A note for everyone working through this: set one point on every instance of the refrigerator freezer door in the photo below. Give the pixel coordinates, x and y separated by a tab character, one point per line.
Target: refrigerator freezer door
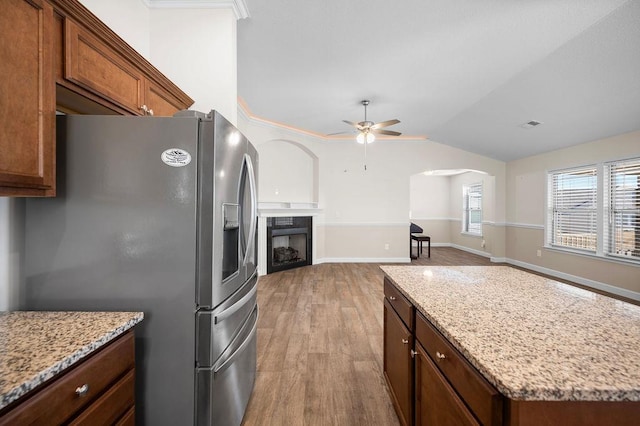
217	329
224	389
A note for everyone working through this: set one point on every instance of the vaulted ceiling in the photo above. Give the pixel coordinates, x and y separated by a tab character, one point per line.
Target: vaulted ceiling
466	73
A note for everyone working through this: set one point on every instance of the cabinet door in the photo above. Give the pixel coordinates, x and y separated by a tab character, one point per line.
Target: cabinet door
27	109
94	66
160	101
436	403
398	342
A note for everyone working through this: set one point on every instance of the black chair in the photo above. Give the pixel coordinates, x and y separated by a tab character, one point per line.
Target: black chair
420	238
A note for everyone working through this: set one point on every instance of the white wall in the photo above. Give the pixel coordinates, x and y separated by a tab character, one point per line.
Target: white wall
366	211
290	174
127	18
196	49
430	197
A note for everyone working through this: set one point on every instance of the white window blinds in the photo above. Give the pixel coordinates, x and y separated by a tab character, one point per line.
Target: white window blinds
622	209
472	209
572	207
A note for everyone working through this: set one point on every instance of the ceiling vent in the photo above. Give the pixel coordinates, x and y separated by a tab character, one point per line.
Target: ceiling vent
530	124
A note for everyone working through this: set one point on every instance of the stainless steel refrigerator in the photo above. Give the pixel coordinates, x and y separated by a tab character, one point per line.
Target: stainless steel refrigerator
157	215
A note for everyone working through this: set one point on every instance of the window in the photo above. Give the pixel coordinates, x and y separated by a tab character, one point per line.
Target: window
472	209
596	209
622	209
572	204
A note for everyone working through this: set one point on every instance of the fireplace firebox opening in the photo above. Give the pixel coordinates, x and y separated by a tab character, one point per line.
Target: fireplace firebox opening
288	242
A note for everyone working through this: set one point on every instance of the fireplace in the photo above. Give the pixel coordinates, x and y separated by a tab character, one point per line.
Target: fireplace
288	242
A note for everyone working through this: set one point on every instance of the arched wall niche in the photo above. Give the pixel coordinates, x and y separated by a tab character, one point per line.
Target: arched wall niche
288	172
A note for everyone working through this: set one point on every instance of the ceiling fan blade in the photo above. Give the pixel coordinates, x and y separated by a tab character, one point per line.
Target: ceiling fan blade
338	133
351	123
385	124
386	132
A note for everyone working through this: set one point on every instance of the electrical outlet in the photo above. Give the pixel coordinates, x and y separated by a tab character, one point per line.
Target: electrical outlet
539	253
386	246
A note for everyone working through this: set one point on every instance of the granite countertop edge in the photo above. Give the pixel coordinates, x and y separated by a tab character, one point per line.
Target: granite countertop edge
546	394
69	361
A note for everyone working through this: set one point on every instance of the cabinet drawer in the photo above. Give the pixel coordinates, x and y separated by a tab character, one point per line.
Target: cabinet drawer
400	304
480	396
58	401
110	406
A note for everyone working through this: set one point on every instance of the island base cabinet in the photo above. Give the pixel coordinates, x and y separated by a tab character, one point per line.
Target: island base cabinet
436	403
398	365
572	413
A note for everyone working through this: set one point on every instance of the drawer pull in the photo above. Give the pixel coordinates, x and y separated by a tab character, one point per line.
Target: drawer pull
405	341
392	298
82	390
440	356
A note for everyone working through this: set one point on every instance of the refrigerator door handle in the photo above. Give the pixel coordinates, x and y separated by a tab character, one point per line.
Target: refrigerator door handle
220	367
218	318
254	207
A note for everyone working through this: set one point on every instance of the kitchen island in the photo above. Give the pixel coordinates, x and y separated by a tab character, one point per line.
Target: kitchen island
548	351
44	354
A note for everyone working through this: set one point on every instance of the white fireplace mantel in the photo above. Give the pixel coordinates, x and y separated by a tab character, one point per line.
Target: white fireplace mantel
280	209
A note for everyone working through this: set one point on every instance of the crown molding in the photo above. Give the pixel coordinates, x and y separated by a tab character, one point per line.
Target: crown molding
239	7
246	113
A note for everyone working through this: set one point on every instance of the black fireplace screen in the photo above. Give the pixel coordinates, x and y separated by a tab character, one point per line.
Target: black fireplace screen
288	242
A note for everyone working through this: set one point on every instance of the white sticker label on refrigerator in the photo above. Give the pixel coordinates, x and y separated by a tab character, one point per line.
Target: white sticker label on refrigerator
176	157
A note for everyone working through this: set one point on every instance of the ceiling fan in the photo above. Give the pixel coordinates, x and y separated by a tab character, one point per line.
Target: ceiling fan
368	129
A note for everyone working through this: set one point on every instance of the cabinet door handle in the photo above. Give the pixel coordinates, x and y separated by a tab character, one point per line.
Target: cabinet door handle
392	298
82	390
440	356
414	353
405	341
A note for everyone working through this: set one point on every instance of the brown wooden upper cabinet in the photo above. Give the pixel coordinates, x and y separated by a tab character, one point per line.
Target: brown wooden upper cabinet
58	55
27	99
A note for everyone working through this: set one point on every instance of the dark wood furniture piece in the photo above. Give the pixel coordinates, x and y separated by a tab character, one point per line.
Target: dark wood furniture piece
57	55
98	390
420	239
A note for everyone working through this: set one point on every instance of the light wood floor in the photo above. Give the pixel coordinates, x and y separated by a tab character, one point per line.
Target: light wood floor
320	344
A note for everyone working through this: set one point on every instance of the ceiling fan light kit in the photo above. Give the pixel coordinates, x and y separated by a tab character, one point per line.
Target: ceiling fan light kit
365	137
368	129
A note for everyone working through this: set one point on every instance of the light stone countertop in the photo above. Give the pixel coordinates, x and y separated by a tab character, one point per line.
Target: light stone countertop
35	346
532	337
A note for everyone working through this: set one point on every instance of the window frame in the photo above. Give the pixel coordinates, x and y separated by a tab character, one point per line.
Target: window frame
553	212
603	209
466	209
610	208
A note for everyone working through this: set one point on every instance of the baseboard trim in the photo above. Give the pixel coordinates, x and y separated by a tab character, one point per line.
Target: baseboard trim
362	260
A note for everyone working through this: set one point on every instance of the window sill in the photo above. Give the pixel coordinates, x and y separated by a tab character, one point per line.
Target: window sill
469	234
